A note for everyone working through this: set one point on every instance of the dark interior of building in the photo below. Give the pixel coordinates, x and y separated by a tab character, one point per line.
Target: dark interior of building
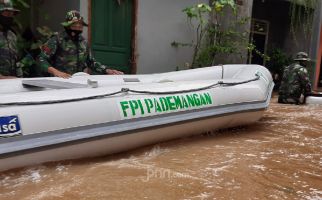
275	14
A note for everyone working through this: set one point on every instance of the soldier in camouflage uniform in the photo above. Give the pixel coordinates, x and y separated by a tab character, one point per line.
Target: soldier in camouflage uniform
8	42
295	84
67	52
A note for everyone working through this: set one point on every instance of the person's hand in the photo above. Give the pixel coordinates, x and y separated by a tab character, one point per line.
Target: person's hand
62	74
58	73
113	72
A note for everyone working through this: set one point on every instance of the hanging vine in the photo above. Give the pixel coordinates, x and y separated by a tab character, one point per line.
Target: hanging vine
302	16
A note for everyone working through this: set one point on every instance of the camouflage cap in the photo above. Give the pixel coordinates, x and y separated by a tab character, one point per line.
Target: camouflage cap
72	17
302	56
6	5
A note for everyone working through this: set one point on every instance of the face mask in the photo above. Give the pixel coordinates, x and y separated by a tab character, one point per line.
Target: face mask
303	63
6	22
74	34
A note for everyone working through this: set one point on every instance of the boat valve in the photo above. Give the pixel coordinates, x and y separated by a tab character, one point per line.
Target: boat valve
93	84
125	90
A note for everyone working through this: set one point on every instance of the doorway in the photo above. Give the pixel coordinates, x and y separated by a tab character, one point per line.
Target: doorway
259	37
111	33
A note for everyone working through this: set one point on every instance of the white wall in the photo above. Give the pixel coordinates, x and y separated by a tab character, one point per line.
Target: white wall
228	21
159	24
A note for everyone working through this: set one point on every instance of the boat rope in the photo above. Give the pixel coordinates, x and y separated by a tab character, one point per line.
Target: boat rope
219	83
127	90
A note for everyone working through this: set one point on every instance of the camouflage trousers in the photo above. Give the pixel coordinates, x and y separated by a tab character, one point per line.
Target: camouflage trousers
291	100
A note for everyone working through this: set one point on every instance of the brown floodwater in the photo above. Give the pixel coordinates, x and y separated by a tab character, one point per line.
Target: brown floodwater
280	157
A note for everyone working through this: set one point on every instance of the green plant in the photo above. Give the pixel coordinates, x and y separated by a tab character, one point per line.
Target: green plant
214	40
278	60
21	3
198	12
277	63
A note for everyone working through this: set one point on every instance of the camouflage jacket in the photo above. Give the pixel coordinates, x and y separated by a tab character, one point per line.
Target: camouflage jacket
295	82
68	56
9	54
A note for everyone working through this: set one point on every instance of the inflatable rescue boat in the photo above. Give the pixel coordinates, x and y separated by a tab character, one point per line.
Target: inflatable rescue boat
314	99
52	119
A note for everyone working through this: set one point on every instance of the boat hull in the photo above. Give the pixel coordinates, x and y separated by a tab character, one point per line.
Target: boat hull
124	141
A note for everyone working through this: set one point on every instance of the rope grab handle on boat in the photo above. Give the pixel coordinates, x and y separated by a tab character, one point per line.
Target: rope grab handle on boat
127	90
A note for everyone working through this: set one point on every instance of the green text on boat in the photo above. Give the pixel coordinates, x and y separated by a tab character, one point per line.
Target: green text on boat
148	106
